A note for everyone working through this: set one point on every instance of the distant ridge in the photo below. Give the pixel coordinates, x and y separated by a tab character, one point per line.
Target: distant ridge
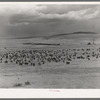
24	37
56	35
74	33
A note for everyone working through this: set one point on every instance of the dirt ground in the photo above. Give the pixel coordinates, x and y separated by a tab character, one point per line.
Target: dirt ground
80	74
51	76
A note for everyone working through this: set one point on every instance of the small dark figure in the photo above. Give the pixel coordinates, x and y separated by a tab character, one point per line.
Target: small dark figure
67	62
6	61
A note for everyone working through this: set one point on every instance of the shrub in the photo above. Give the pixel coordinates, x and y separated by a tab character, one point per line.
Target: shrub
18	85
27	83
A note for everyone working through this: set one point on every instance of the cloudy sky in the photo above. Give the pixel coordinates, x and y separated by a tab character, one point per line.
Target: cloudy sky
37	20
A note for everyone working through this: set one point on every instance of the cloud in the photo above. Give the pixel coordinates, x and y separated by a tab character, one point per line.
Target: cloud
31	19
71	12
39	14
84	14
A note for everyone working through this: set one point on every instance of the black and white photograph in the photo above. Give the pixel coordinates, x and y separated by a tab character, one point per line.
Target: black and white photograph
49	46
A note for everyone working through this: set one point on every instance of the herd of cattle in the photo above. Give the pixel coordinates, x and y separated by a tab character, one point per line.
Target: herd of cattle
40	57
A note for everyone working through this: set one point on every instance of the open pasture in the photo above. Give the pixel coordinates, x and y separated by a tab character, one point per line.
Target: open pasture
50	67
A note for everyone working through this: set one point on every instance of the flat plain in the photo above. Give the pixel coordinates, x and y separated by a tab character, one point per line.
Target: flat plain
63	66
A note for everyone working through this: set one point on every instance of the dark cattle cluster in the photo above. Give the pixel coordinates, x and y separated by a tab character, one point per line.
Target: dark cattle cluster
40	57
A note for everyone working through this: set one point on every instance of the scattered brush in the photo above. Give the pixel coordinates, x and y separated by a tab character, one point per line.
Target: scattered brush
27	83
18	85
